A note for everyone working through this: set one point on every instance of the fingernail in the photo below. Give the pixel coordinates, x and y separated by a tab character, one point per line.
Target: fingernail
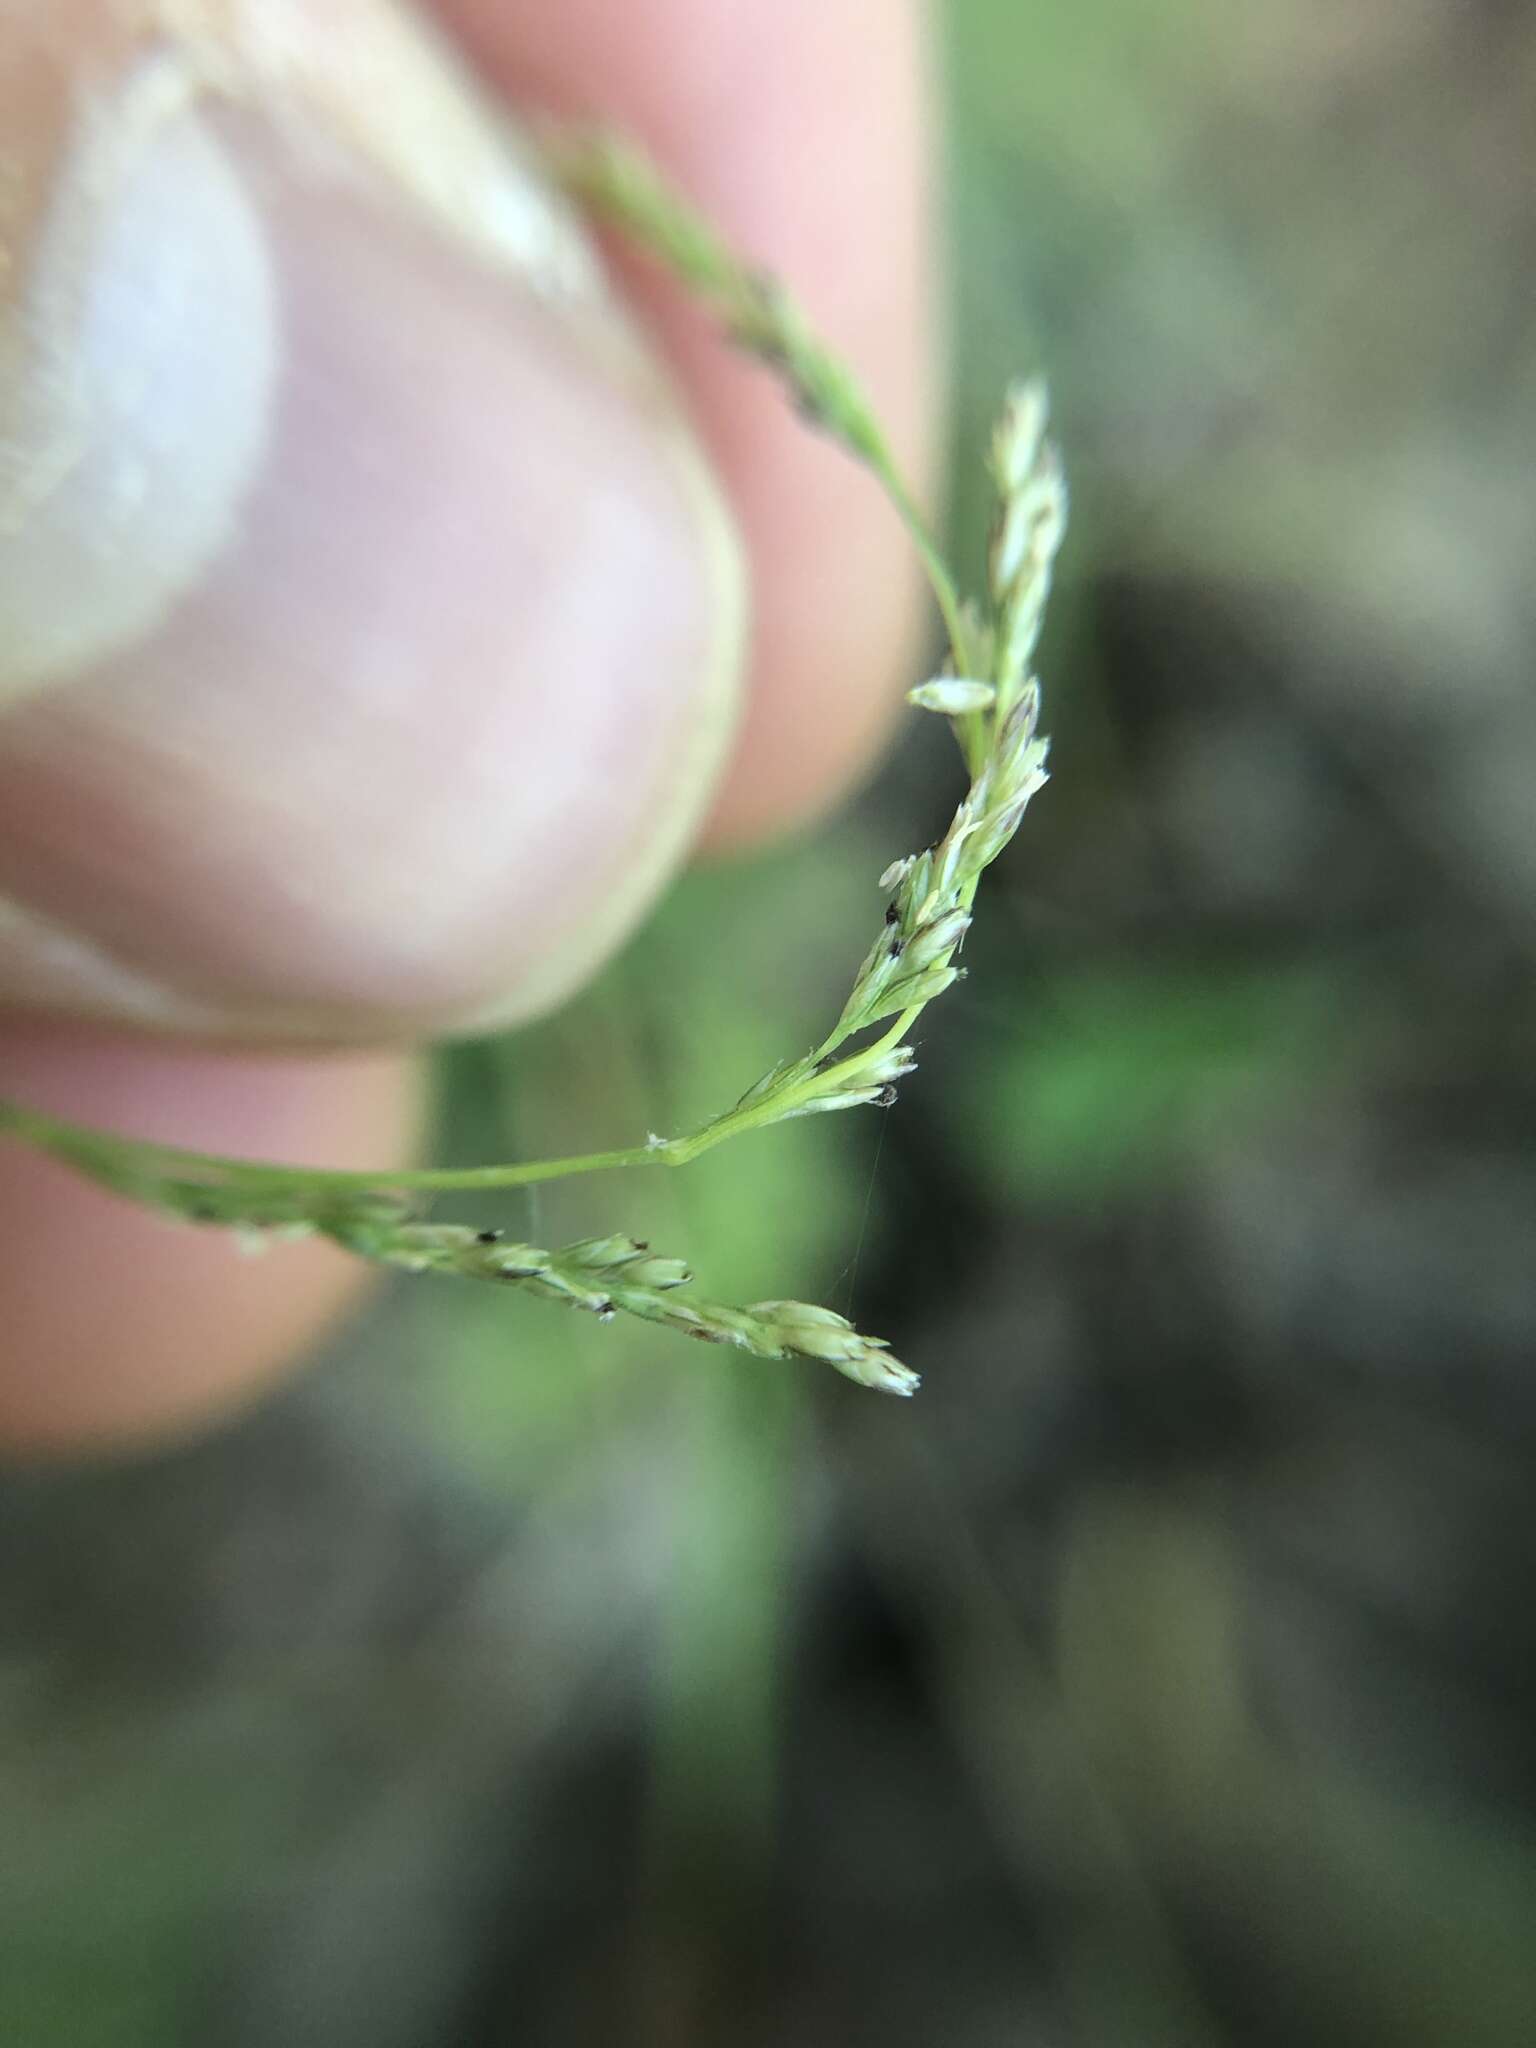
139	377
371	623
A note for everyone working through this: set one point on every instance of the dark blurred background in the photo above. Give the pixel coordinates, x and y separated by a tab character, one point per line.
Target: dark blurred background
1166	1674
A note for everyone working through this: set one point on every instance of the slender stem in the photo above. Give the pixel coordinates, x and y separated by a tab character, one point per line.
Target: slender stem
942	584
620	187
79	1144
86	1147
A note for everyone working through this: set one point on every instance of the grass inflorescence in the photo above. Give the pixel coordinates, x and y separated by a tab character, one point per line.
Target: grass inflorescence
991	697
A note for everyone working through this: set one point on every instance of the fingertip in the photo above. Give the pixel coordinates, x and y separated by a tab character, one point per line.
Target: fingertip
122	1329
370	621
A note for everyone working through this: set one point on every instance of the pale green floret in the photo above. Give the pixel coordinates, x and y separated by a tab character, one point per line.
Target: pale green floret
954	696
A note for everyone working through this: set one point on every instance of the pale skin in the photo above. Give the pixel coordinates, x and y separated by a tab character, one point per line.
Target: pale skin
800	127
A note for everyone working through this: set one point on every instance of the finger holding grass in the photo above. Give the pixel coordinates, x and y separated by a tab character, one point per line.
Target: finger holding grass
992	699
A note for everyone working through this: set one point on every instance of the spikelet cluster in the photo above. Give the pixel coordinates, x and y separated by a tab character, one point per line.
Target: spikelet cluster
610	1276
996	717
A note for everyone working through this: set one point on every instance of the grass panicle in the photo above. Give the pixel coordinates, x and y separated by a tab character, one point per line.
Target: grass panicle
991	697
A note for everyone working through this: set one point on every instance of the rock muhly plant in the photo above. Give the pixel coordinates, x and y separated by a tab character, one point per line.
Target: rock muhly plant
990	696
